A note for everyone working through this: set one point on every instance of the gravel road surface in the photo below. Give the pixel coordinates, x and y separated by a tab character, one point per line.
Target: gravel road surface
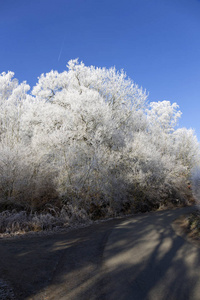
137	258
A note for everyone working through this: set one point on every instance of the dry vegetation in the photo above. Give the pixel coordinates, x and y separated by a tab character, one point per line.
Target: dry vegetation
188	226
193	224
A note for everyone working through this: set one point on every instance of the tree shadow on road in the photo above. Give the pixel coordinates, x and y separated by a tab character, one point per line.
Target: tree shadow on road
35	263
154	264
142	259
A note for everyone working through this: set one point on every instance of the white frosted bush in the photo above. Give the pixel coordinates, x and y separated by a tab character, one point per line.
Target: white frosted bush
88	138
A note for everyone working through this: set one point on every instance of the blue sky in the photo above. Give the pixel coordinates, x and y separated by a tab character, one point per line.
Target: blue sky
157	43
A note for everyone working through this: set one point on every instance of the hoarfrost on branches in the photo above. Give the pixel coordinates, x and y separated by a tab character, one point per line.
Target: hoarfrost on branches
87	137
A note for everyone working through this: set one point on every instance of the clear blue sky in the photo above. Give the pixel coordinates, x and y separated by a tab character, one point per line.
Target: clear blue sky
157	43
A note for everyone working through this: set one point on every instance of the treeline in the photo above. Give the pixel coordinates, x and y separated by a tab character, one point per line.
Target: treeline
88	139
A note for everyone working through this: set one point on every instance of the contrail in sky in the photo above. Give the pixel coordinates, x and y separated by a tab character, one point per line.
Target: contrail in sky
61	49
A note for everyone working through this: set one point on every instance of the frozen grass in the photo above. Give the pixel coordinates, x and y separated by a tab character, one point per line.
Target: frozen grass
194	223
13	221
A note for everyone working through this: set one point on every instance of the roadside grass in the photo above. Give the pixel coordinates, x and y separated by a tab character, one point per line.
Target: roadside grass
193	224
20	222
23	222
188	226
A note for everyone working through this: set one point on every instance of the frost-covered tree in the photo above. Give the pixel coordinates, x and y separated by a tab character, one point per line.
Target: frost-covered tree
21	175
186	148
163	115
88	137
96	112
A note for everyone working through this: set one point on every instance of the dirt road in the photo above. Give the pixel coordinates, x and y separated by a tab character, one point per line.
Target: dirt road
136	258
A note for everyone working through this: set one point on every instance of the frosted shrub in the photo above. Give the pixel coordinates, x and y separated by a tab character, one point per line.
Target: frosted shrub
73	214
44	222
14	221
87	141
21	221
